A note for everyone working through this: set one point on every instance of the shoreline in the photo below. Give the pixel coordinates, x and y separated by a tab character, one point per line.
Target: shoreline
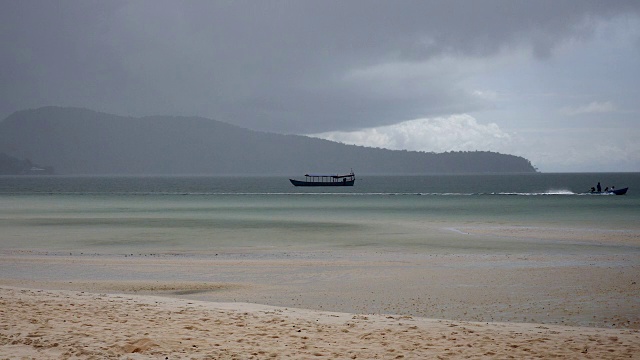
595	290
544	293
62	323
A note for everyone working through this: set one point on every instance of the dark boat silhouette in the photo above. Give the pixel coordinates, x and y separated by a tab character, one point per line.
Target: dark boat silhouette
325	180
615	192
619	191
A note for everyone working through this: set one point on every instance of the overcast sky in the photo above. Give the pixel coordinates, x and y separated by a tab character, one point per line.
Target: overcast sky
557	82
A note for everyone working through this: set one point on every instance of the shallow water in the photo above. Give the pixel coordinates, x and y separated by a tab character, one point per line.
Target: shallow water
482	248
113	215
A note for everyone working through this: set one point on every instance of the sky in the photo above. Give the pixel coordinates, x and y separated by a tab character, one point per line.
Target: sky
557	82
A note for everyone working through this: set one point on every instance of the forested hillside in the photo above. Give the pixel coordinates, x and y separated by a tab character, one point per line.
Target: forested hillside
80	141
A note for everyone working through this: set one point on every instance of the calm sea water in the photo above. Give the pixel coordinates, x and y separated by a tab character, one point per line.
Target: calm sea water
114	215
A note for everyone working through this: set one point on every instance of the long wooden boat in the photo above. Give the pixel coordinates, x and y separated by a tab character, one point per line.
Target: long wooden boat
325	180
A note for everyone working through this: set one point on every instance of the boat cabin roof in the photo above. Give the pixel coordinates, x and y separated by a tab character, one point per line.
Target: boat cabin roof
329	175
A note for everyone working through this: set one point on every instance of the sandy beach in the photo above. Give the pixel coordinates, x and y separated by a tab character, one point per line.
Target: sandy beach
381	305
46	324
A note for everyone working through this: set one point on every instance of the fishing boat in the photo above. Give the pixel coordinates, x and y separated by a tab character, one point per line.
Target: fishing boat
325	180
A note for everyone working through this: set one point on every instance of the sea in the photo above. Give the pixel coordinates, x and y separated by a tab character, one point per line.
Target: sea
210	215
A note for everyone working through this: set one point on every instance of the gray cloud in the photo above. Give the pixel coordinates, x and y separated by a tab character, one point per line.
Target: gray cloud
281	66
273	65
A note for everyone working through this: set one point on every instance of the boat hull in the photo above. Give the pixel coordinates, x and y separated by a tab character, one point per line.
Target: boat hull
609	192
619	191
322	183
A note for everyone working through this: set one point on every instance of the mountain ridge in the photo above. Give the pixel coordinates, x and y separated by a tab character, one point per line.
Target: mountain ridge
87	142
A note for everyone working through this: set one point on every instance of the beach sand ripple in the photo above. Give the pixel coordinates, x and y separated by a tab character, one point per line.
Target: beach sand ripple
55	324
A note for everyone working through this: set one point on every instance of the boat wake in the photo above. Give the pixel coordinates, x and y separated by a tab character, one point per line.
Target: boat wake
548	192
179	193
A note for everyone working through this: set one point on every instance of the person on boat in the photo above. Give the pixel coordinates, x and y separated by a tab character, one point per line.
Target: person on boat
606	189
593	189
599	187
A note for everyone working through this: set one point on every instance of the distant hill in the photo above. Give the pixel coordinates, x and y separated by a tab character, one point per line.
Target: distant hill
80	141
10	165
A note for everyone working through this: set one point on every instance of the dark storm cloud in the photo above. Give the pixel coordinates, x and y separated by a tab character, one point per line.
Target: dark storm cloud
283	66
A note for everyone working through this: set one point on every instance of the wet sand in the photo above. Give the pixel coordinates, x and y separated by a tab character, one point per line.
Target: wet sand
576	298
